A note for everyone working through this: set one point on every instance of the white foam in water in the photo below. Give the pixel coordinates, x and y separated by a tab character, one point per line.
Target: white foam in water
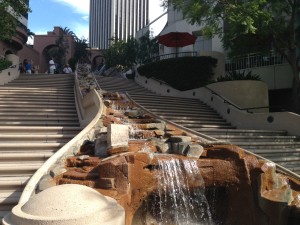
178	203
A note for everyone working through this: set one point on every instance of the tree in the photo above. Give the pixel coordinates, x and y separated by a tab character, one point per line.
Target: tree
275	21
125	54
10	11
147	47
81	53
122	54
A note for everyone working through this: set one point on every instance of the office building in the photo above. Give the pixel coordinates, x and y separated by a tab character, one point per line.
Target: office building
117	19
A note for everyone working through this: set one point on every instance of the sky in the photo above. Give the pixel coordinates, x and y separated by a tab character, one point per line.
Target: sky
74	14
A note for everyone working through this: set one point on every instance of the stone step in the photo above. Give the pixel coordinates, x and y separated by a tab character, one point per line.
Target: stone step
211	117
268	145
177	107
36	105
7	183
9	110
160	99
280	151
257	138
38	92
242	132
52	146
21	156
167	112
40	114
39	123
195	124
17	169
59	83
44	138
39	102
37	117
69	130
7	200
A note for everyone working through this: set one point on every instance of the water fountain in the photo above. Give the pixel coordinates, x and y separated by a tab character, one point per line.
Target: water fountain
180	197
157	184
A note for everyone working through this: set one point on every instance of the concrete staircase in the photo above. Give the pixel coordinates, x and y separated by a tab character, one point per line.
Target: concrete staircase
37	117
277	146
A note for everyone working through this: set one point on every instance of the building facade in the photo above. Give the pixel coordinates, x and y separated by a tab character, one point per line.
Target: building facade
17	41
117	19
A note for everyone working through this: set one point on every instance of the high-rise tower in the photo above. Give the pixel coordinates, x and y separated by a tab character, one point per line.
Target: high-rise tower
116	18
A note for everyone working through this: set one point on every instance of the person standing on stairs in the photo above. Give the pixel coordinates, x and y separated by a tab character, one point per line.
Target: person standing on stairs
67	69
27	66
52	66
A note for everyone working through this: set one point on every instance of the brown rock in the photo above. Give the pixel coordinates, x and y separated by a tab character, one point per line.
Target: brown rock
113	150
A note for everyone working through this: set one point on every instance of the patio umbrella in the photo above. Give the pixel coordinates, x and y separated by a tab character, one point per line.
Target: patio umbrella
177	39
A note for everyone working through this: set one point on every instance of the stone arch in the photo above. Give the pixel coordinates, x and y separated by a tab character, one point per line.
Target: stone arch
97	61
45	57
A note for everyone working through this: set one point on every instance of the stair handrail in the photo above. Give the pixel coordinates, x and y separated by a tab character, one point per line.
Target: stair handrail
234	105
170	56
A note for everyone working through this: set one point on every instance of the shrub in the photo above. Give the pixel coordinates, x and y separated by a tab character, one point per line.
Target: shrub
5	64
182	73
238	75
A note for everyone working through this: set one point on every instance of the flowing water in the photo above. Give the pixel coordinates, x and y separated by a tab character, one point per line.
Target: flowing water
181	199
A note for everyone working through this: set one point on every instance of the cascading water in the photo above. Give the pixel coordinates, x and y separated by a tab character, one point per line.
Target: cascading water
181	199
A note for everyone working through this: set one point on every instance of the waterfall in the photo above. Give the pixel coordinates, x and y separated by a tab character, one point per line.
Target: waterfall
181	199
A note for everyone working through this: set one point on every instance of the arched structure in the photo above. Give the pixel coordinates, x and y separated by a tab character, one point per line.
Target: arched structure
96	58
42	43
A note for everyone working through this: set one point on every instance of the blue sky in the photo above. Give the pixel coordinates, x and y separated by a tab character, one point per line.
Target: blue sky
74	14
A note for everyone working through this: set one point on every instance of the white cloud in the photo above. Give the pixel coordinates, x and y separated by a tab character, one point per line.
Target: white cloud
79	6
81	30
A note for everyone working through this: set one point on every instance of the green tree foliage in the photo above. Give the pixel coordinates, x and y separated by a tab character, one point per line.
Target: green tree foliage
81	50
238	75
267	21
125	54
4	64
8	21
147	47
121	54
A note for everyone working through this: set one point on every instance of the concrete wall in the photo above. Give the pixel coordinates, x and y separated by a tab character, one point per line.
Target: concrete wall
239	118
31	55
244	94
276	76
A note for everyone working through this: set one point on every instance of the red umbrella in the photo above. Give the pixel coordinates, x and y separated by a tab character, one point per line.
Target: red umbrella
177	39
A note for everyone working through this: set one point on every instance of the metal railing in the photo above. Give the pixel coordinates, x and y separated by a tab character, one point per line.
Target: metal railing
254	60
170	56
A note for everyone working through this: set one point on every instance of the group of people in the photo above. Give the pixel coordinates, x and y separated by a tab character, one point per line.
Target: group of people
27	67
53	67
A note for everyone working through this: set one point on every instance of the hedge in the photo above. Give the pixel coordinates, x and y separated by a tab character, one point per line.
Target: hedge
182	73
